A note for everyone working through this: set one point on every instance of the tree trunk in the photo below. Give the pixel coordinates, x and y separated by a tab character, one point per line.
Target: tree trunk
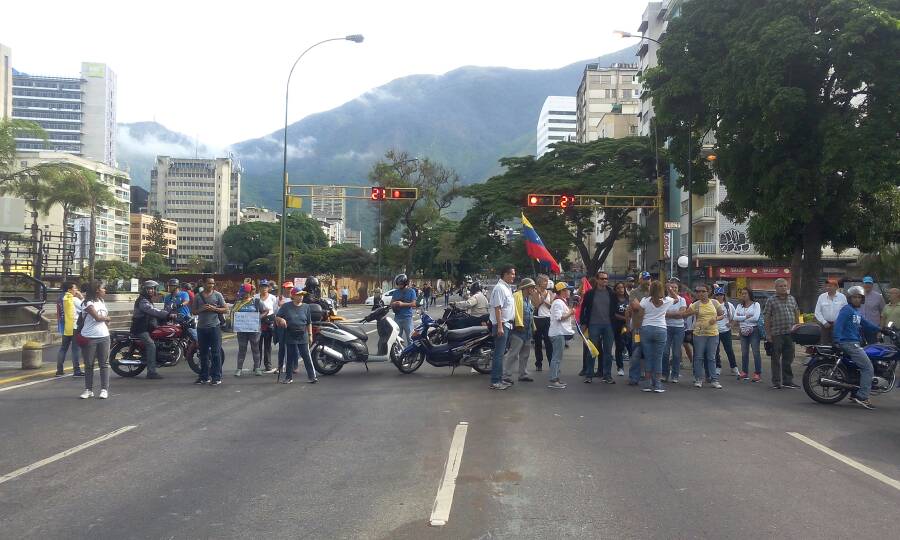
92	249
797	269
812	265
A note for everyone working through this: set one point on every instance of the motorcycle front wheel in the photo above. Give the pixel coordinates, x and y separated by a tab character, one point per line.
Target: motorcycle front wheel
408	363
324	364
824	394
124	351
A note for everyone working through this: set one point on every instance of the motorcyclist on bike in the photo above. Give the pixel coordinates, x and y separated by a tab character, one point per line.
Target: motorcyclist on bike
847	336
477	305
179	301
143	316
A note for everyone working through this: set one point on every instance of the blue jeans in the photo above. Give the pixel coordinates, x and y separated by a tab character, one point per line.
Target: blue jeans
653	343
725	342
209	341
705	356
559	345
747	343
294	352
67	343
406	329
499	352
866	371
634	360
602	337
674	342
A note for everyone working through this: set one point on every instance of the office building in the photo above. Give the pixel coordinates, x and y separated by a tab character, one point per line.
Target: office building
140	237
353	237
78	114
605	90
197	195
5	82
140	199
557	122
256	213
329	205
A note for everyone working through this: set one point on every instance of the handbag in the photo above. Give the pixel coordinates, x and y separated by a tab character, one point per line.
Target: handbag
748	331
80	340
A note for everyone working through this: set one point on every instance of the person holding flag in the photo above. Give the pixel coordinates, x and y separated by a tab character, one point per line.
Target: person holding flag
598	310
535	248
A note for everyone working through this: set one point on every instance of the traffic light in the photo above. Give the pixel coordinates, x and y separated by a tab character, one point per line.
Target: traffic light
566	201
403	193
378	193
539	200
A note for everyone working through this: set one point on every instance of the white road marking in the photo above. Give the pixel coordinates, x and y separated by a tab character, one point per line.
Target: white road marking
23	385
440	513
59	456
851	462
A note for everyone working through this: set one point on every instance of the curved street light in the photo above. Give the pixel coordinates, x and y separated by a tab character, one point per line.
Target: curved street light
356	38
624	34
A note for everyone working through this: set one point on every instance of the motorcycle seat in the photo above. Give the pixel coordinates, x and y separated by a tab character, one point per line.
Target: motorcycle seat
466	333
355	331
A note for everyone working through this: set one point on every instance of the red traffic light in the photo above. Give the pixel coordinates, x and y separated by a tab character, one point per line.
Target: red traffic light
403	193
566	201
535	199
378	193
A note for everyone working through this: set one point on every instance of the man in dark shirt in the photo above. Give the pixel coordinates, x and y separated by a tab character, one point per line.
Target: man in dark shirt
597	312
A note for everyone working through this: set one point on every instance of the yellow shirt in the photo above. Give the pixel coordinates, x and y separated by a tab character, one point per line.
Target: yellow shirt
707	313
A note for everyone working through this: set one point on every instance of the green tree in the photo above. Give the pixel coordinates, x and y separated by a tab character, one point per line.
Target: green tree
801	97
9	130
156	236
248	242
99	196
153	266
603	167
109	272
883	264
64	190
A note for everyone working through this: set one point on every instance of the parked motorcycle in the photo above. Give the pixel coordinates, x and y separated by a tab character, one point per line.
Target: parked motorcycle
830	374
173	343
336	344
434	343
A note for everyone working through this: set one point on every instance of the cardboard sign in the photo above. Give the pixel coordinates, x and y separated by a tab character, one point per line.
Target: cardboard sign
246	321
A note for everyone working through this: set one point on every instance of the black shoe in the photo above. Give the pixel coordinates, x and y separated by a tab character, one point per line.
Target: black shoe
863	403
609	380
538	367
61	373
581	373
587	380
154	375
792	386
776	387
313	381
287	381
76	374
201	381
215	382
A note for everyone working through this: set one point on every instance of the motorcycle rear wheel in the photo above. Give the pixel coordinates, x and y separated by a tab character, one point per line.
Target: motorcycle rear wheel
324	364
824	394
122	351
408	363
483	357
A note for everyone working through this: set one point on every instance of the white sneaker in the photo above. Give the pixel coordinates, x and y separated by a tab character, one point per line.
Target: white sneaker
717	385
621	373
735	371
87	394
104	394
237	373
698	384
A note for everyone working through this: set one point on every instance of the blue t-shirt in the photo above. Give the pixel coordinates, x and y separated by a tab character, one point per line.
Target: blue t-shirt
403	295
847	324
178	299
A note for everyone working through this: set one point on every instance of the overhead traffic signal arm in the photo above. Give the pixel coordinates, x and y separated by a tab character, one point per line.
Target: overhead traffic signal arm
402	193
566	200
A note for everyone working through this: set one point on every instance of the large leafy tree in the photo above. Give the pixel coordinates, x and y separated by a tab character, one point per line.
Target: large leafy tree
156	236
98	197
801	98
64	189
604	167
255	240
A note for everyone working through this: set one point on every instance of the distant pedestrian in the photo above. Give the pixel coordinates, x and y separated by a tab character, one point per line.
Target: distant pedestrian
345	296
636	320
725	343
688	344
541	300
502	311
189	289
747	316
828	306
68	308
654	310
671	359
891	312
706	335
561	329
426	295
598	309
520	335
296	321
871	310
95	329
620	328
267	330
780	315
447	296
208	305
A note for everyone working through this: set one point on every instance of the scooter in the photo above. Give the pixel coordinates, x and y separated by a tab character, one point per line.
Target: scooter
336	344
433	342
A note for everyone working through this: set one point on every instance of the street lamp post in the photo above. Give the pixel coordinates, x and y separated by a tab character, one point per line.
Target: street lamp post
356	38
624	34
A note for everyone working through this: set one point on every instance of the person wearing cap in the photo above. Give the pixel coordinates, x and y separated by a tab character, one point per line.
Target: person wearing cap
501	316
560	330
250	303
208	305
872	306
629	284
725	342
286	289
636	320
267	330
708	311
296	321
541	300
598	310
828	306
520	336
179	301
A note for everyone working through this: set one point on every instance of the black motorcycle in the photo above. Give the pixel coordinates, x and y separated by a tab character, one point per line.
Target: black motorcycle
434	343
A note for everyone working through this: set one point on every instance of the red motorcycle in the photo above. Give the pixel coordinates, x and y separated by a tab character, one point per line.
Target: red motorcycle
173	343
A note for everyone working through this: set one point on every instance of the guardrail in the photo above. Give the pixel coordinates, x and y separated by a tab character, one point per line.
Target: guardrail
19	290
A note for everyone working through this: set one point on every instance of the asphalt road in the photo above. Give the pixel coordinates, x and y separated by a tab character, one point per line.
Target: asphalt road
362	455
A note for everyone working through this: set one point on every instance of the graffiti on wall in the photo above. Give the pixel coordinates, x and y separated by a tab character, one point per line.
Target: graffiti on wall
734	241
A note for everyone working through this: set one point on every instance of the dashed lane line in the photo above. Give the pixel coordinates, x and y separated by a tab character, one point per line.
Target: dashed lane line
440	512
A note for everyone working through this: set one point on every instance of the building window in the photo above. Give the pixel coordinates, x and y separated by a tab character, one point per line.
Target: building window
605	79
626	93
609	93
684	207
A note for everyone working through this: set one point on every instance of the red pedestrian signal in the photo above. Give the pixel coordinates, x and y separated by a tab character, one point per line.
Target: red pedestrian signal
378	193
539	200
566	201
403	193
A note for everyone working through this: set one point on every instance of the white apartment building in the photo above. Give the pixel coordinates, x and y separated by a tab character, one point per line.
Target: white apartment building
197	194
605	90
556	122
329	205
78	114
257	213
5	82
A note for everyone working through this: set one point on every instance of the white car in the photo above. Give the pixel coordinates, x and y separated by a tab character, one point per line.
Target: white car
386	298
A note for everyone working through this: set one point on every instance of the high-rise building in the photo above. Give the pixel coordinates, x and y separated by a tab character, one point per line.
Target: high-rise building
196	194
605	90
557	122
255	213
140	237
5	82
78	114
328	204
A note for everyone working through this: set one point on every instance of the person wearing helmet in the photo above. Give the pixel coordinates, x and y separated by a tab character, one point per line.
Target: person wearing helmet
179	301
847	328
403	300
313	290
143	318
477	305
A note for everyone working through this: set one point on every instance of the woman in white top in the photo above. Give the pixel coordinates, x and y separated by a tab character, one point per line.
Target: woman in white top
674	335
560	330
95	330
542	299
265	338
747	316
655	310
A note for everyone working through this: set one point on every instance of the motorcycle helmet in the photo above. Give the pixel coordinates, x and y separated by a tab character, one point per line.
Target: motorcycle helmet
149	287
475	288
856	290
174	282
402	280
313	288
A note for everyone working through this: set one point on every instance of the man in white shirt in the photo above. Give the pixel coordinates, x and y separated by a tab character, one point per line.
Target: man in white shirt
828	305
501	316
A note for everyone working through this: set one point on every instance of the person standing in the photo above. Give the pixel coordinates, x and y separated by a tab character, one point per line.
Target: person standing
266	328
143	319
345	296
520	336
178	301
447	296
296	321
654	310
561	329
872	307
501	317
891	312
426	295
828	306
620	328
725	342
847	328
403	300
208	305
249	304
747	316
95	328
598	309
67	310
706	335
674	335
542	299
780	315
637	294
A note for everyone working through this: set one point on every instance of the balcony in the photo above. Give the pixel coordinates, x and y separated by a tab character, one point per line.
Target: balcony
704	248
705	214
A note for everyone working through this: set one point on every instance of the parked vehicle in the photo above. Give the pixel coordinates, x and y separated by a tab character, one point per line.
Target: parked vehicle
173	344
434	343
335	343
386	298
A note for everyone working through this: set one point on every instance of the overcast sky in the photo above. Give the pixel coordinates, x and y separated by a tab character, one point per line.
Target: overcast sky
216	69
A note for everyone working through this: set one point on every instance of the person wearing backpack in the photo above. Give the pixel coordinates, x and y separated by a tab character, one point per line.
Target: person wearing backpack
725	343
68	308
706	335
94	339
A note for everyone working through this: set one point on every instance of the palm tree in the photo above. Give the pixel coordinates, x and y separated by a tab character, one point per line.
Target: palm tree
64	185
98	195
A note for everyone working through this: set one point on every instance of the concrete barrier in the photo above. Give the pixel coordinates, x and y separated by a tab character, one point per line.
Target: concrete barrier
32	355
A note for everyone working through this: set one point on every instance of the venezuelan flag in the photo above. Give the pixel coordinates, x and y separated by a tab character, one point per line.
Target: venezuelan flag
535	248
